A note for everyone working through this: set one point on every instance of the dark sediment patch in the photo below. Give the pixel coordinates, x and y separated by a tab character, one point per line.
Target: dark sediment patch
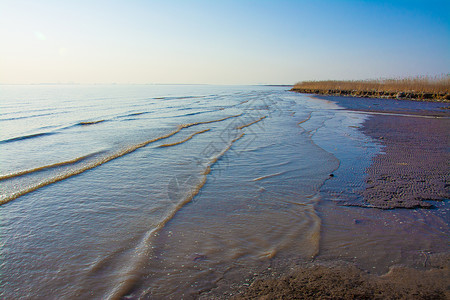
414	165
413	168
349	282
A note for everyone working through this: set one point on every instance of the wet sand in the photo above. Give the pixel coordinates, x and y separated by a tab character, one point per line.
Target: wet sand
386	257
341	281
413	170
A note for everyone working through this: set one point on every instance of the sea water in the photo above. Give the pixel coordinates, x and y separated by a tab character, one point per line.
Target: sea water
160	191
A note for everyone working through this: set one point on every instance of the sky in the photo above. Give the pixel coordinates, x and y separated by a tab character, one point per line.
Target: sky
220	42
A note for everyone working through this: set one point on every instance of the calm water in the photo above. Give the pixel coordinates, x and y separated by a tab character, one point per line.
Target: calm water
164	191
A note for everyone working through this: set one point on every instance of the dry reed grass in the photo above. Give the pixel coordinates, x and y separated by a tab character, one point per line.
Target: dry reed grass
435	88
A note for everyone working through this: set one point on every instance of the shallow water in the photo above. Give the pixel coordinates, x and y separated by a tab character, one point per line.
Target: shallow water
163	191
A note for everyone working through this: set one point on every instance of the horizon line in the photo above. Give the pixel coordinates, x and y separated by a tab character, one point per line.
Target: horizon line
114	83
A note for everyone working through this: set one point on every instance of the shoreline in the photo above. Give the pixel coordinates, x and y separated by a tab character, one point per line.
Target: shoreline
403	95
411	171
412	145
341	280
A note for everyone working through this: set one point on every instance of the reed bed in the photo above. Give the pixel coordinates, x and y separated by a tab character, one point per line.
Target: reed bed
420	88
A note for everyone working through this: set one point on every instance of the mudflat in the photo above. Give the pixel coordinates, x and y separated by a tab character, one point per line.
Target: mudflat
348	282
413	168
410	172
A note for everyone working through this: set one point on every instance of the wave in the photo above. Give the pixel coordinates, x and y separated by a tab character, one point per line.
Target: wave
133	114
84	124
128	280
212	121
26	137
268	176
251	123
26	117
87	123
51	166
195	113
187	108
138	114
48	127
307	119
84	168
28	111
141	253
178	98
42	134
102	161
185	140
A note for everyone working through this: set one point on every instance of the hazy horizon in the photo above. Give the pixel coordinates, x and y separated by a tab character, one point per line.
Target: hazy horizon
232	43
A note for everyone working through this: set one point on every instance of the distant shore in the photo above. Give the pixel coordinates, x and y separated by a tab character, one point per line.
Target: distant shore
438	97
435	89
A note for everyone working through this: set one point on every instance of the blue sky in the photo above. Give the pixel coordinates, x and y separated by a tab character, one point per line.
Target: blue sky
221	42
